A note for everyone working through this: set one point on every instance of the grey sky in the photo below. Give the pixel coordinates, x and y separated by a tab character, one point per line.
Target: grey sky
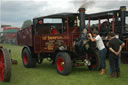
15	12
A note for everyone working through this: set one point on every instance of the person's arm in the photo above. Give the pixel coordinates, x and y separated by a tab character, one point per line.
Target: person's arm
107	44
113	51
119	50
91	38
123	44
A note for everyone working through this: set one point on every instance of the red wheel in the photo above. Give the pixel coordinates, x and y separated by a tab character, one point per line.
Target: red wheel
60	64
2	66
5	65
28	60
25	59
63	63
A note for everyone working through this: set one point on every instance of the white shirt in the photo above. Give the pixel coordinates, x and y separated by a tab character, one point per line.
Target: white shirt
99	42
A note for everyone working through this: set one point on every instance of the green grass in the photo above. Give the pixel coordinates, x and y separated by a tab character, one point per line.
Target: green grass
45	74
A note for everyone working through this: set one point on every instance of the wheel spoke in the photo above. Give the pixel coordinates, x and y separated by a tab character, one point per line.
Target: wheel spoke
1	65
25	59
60	64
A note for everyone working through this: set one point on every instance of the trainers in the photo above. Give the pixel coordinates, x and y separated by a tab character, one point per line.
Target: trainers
102	71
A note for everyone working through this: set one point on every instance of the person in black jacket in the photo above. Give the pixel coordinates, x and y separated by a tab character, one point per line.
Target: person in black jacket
115	49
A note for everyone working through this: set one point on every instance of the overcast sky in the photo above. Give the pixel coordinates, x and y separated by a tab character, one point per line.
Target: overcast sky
15	12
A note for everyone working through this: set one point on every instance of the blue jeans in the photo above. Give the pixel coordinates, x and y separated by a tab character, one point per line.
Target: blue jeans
110	69
103	57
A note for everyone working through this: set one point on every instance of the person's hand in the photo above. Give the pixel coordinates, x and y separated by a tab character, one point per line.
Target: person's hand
117	53
89	34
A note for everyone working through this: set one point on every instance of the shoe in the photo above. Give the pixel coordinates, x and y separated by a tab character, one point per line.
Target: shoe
118	74
103	71
113	74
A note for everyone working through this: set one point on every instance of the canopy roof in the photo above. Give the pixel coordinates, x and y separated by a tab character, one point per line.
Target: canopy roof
58	15
93	16
10	31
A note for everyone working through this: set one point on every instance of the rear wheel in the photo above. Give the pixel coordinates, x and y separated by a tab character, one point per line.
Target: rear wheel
5	65
95	60
28	59
63	63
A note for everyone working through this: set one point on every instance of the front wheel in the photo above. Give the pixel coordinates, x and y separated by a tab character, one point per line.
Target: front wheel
63	63
28	60
95	60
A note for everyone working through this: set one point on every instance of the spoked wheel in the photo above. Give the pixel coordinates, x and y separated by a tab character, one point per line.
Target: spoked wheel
5	65
63	63
94	58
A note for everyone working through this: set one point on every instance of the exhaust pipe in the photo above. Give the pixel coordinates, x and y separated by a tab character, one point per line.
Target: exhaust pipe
122	13
82	19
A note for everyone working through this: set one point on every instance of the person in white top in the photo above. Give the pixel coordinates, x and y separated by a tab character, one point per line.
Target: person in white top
100	45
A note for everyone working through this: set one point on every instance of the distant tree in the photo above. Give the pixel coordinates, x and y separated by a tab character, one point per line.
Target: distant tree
26	23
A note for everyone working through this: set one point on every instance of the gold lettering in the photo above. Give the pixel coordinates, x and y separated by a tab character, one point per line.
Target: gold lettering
44	38
54	37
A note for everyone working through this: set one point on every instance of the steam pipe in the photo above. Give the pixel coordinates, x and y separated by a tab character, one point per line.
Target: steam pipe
82	19
88	25
99	25
123	9
113	24
67	32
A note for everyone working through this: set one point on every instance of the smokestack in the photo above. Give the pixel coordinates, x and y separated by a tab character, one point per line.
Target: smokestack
82	19
122	13
123	8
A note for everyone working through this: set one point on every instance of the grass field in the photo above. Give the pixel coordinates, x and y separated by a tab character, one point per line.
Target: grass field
45	74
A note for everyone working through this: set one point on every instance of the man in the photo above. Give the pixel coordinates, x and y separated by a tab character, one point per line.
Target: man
100	45
122	44
115	47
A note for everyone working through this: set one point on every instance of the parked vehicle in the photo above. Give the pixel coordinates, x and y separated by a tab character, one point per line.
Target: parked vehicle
62	38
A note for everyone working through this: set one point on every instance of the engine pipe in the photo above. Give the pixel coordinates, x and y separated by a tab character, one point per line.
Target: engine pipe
82	19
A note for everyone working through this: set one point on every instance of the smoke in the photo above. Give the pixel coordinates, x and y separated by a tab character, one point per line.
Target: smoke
83	3
87	4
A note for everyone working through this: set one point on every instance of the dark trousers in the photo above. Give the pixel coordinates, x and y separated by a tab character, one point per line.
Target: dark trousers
114	64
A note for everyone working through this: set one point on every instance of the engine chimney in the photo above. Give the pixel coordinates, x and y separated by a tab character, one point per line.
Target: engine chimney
82	19
122	13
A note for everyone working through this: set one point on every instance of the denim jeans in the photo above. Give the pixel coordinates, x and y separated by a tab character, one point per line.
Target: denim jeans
103	57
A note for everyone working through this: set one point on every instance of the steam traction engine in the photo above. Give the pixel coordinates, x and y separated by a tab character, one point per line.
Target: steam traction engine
62	38
112	21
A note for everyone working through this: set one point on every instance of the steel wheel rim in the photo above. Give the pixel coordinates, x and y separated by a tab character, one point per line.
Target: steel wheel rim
25	59
60	64
2	66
